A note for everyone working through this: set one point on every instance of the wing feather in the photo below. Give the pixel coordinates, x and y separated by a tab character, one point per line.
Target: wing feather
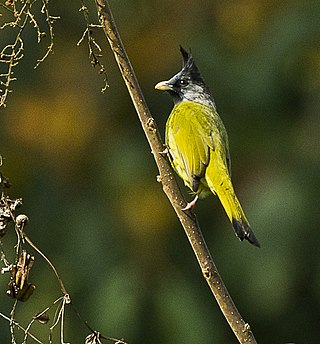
192	132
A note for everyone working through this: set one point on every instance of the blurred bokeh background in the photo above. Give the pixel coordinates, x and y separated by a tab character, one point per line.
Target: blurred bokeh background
81	163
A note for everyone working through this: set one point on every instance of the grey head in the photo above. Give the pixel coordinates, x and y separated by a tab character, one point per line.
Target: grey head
188	84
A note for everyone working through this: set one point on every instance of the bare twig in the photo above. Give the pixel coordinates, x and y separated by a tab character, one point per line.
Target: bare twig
20	289
50	21
21	221
20	328
23	15
93	46
59	318
188	220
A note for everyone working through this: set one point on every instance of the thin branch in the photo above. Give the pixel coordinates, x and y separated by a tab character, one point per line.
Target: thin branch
20	327
93	46
19	272
50	21
59	319
170	187
23	14
21	221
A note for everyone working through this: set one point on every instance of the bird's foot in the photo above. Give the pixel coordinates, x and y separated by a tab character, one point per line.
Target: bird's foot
191	205
165	152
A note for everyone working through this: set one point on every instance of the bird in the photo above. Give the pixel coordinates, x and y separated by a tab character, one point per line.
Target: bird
197	144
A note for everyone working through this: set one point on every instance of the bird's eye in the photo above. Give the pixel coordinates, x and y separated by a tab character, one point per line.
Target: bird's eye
182	82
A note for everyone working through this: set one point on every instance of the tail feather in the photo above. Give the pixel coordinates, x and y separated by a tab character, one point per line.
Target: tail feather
233	208
243	231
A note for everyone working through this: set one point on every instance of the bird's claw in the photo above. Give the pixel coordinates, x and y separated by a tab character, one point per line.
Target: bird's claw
165	152
191	205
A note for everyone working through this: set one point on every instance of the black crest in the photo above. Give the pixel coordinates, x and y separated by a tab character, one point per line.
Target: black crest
189	67
185	55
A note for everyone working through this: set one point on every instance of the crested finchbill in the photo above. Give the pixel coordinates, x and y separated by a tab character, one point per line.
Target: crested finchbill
198	143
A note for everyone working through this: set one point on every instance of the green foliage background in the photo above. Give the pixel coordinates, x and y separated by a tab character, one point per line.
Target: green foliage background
81	163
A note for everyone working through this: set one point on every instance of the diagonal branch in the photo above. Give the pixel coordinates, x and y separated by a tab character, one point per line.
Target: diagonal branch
170	187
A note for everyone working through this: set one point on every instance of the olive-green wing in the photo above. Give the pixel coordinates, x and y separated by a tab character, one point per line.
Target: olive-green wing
192	132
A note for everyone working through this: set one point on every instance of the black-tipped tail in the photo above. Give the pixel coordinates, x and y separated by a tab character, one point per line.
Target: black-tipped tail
243	231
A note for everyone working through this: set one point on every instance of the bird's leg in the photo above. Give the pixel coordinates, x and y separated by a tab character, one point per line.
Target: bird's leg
191	204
